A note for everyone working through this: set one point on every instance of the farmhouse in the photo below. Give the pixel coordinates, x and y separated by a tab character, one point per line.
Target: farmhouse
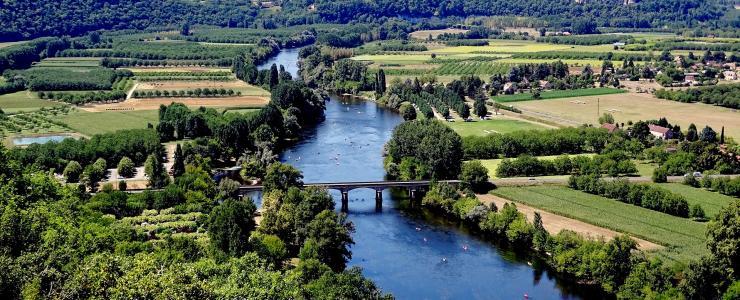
660	131
690	78
610	127
730	75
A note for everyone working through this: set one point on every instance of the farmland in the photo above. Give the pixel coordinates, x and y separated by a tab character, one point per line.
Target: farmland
558	94
636	106
483	127
90	123
683	238
492	164
710	201
42	121
23	101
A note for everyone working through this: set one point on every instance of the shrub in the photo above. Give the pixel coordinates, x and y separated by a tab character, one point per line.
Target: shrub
126	168
660	175
475	175
697	212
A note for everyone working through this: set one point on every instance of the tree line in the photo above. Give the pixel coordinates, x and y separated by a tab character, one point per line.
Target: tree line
198	92
536	143
613	163
727	95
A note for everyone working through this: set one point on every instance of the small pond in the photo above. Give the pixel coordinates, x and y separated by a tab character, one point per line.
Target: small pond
27	140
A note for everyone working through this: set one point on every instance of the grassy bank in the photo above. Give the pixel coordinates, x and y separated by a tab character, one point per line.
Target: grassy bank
558	94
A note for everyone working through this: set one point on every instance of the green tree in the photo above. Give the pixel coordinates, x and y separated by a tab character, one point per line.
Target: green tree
72	171
274	76
281	176
408	112
475	175
434	144
708	135
692	135
230	224
332	234
269	247
126	168
480	109
723	235
156	172
606	118
178	165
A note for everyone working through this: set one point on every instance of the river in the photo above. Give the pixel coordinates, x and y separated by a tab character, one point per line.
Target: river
402	250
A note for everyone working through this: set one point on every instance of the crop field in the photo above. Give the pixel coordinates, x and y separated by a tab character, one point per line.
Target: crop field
68	62
637	106
492	164
91	123
558	94
182	69
23	101
154	103
711	202
424	34
8	44
682	238
166	223
502	46
484	127
236	85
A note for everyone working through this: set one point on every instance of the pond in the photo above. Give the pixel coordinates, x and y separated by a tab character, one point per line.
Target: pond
28	140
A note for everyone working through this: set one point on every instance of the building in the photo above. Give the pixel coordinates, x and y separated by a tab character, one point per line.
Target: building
730	75
660	131
690	78
610	127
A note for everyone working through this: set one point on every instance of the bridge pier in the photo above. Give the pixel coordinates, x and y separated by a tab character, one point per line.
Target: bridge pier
412	196
345	201
378	200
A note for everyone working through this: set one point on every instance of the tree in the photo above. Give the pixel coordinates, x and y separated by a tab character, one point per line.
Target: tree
691	134
178	165
708	135
270	247
126	167
332	236
606	118
185	30
72	171
660	175
722	136
475	175
282	176
230	224
156	172
274	76
408	112
723	235
432	143
584	27
94	173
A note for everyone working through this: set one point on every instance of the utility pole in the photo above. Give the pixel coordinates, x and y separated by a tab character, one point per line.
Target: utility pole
598	107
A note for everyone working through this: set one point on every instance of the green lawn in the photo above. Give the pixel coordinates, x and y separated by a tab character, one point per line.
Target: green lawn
645	169
710	201
558	94
492	164
91	123
23	101
484	127
682	238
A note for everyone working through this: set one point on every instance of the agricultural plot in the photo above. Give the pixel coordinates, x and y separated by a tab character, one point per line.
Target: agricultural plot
711	202
171	85
502	46
492	164
68	62
23	101
682	238
164	223
424	34
484	127
636	106
42	121
91	123
558	94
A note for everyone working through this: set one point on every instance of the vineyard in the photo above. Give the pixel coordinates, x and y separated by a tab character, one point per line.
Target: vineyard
158	225
472	68
184	76
161	51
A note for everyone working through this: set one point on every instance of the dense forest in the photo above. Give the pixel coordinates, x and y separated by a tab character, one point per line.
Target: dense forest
30	19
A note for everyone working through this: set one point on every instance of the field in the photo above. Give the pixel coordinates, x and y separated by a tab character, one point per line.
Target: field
154	103
424	34
710	201
492	164
682	238
23	101
68	62
484	127
558	94
236	85
90	123
8	44
39	122
634	107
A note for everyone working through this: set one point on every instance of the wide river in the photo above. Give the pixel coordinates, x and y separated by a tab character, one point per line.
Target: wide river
402	250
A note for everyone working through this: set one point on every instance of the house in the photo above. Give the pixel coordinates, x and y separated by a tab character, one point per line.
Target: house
509	88
610	127
619	44
660	131
545	84
730	75
690	78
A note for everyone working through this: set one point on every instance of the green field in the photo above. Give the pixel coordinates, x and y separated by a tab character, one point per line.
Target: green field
23	101
710	201
484	127
69	62
241	110
492	164
91	123
682	238
558	94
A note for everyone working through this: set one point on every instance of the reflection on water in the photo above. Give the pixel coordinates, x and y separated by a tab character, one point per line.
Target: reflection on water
23	141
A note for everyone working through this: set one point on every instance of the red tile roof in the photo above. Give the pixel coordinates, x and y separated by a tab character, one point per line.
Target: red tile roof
609	126
658	129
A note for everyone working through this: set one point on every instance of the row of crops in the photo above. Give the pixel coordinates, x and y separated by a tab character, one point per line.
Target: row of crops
45	120
159	224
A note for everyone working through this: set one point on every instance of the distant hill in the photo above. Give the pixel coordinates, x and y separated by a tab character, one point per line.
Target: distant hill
30	19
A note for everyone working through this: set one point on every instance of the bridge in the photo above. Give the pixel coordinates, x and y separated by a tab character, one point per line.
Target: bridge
413	186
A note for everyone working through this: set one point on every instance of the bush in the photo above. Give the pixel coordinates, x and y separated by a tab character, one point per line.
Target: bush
660	175
647	196
697	212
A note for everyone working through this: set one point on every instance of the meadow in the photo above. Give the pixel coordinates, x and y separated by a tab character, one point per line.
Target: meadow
492	164
484	127
23	101
558	94
91	123
682	238
711	202
68	62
